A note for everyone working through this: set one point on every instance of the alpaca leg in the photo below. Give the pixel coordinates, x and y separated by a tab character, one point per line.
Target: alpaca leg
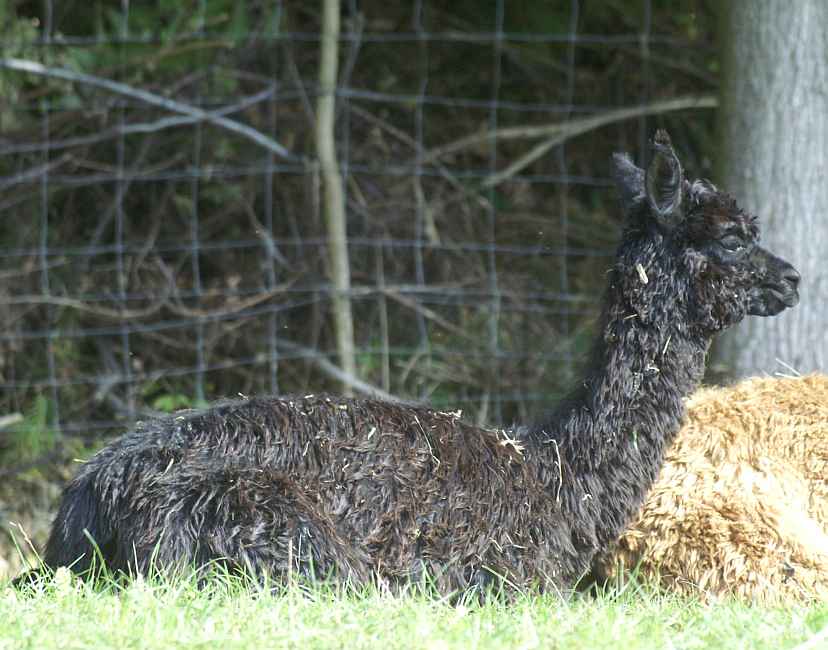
251	519
81	526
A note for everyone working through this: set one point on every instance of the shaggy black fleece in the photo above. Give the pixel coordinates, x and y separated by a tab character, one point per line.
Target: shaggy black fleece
362	490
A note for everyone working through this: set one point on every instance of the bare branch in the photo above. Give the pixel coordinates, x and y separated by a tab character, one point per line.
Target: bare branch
264	141
143	127
561	131
570	129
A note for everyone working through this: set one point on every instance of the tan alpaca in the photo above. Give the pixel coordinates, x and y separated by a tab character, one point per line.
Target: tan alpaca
741	505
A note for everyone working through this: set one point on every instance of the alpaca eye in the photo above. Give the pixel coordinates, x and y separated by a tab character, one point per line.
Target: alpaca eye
732	243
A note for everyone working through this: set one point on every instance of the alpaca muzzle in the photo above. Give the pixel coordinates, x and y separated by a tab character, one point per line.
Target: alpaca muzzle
779	287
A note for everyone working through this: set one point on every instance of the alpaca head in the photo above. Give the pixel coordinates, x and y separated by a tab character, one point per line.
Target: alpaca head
713	242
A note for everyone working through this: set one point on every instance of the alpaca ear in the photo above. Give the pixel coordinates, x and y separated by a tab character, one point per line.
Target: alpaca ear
629	180
663	182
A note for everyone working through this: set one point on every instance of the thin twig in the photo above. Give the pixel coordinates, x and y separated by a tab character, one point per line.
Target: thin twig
79	305
403	137
230	308
337	373
28	269
355	43
428	313
121	191
293	69
155	229
33	173
271	247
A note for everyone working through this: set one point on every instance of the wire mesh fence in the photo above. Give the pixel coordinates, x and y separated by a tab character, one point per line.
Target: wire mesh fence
162	236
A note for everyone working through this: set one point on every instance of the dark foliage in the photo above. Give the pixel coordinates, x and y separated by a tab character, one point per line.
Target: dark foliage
356	489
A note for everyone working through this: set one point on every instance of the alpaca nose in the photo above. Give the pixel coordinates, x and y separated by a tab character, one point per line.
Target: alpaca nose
791	276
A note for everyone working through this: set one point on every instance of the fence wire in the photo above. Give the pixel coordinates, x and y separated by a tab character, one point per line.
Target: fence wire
161	236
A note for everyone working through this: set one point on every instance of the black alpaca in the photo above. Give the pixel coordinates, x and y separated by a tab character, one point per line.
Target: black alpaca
361	489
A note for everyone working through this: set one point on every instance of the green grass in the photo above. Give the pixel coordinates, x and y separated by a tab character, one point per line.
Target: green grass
62	613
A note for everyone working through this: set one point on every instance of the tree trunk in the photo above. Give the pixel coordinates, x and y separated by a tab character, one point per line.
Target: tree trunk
774	160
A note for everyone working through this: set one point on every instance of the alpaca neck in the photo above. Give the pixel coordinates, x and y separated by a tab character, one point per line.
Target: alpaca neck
603	447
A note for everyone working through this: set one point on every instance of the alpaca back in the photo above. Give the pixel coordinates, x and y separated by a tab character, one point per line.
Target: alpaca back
321	484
